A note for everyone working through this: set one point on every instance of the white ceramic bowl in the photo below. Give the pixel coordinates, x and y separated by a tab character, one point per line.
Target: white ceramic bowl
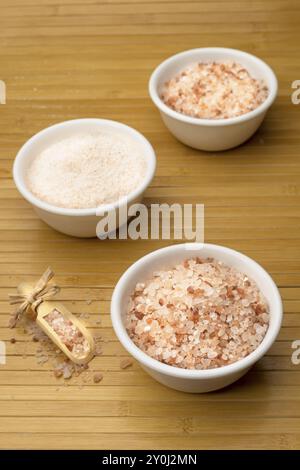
194	380
77	222
209	134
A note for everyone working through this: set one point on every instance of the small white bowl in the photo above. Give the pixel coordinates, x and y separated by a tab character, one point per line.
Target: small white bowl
212	134
194	381
77	222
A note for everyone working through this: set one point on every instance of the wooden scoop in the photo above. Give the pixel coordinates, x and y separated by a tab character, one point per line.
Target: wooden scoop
48	306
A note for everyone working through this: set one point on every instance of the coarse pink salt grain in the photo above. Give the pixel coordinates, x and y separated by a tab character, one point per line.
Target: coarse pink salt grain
212	90
68	333
200	314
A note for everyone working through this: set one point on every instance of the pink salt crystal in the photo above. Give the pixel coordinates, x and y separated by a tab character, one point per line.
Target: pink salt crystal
125	363
58	373
214	91
68	372
97	377
68	333
201	314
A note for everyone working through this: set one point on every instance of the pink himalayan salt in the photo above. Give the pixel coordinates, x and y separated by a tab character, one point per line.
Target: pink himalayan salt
214	91
200	314
69	333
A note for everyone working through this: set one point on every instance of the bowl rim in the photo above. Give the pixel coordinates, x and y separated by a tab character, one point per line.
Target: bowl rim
263	107
177	372
18	174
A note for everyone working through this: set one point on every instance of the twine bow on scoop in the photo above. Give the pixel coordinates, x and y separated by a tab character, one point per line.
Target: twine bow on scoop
40	292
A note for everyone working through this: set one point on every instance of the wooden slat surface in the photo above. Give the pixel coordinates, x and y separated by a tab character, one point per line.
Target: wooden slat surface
64	59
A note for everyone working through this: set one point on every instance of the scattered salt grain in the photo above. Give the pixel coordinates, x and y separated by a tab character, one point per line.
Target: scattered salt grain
58	373
97	378
98	350
125	363
68	333
68	371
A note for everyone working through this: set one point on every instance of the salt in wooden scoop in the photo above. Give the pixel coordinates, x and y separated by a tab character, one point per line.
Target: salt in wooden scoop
56	321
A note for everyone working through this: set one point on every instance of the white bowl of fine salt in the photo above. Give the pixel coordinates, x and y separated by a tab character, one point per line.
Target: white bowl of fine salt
196	316
75	172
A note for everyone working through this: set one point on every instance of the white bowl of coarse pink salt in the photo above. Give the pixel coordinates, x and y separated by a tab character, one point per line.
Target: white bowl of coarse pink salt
77	171
196	316
213	98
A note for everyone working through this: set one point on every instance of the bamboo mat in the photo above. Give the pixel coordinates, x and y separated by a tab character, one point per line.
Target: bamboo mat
65	59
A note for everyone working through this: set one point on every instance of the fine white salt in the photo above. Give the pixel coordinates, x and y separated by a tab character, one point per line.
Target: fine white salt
87	170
